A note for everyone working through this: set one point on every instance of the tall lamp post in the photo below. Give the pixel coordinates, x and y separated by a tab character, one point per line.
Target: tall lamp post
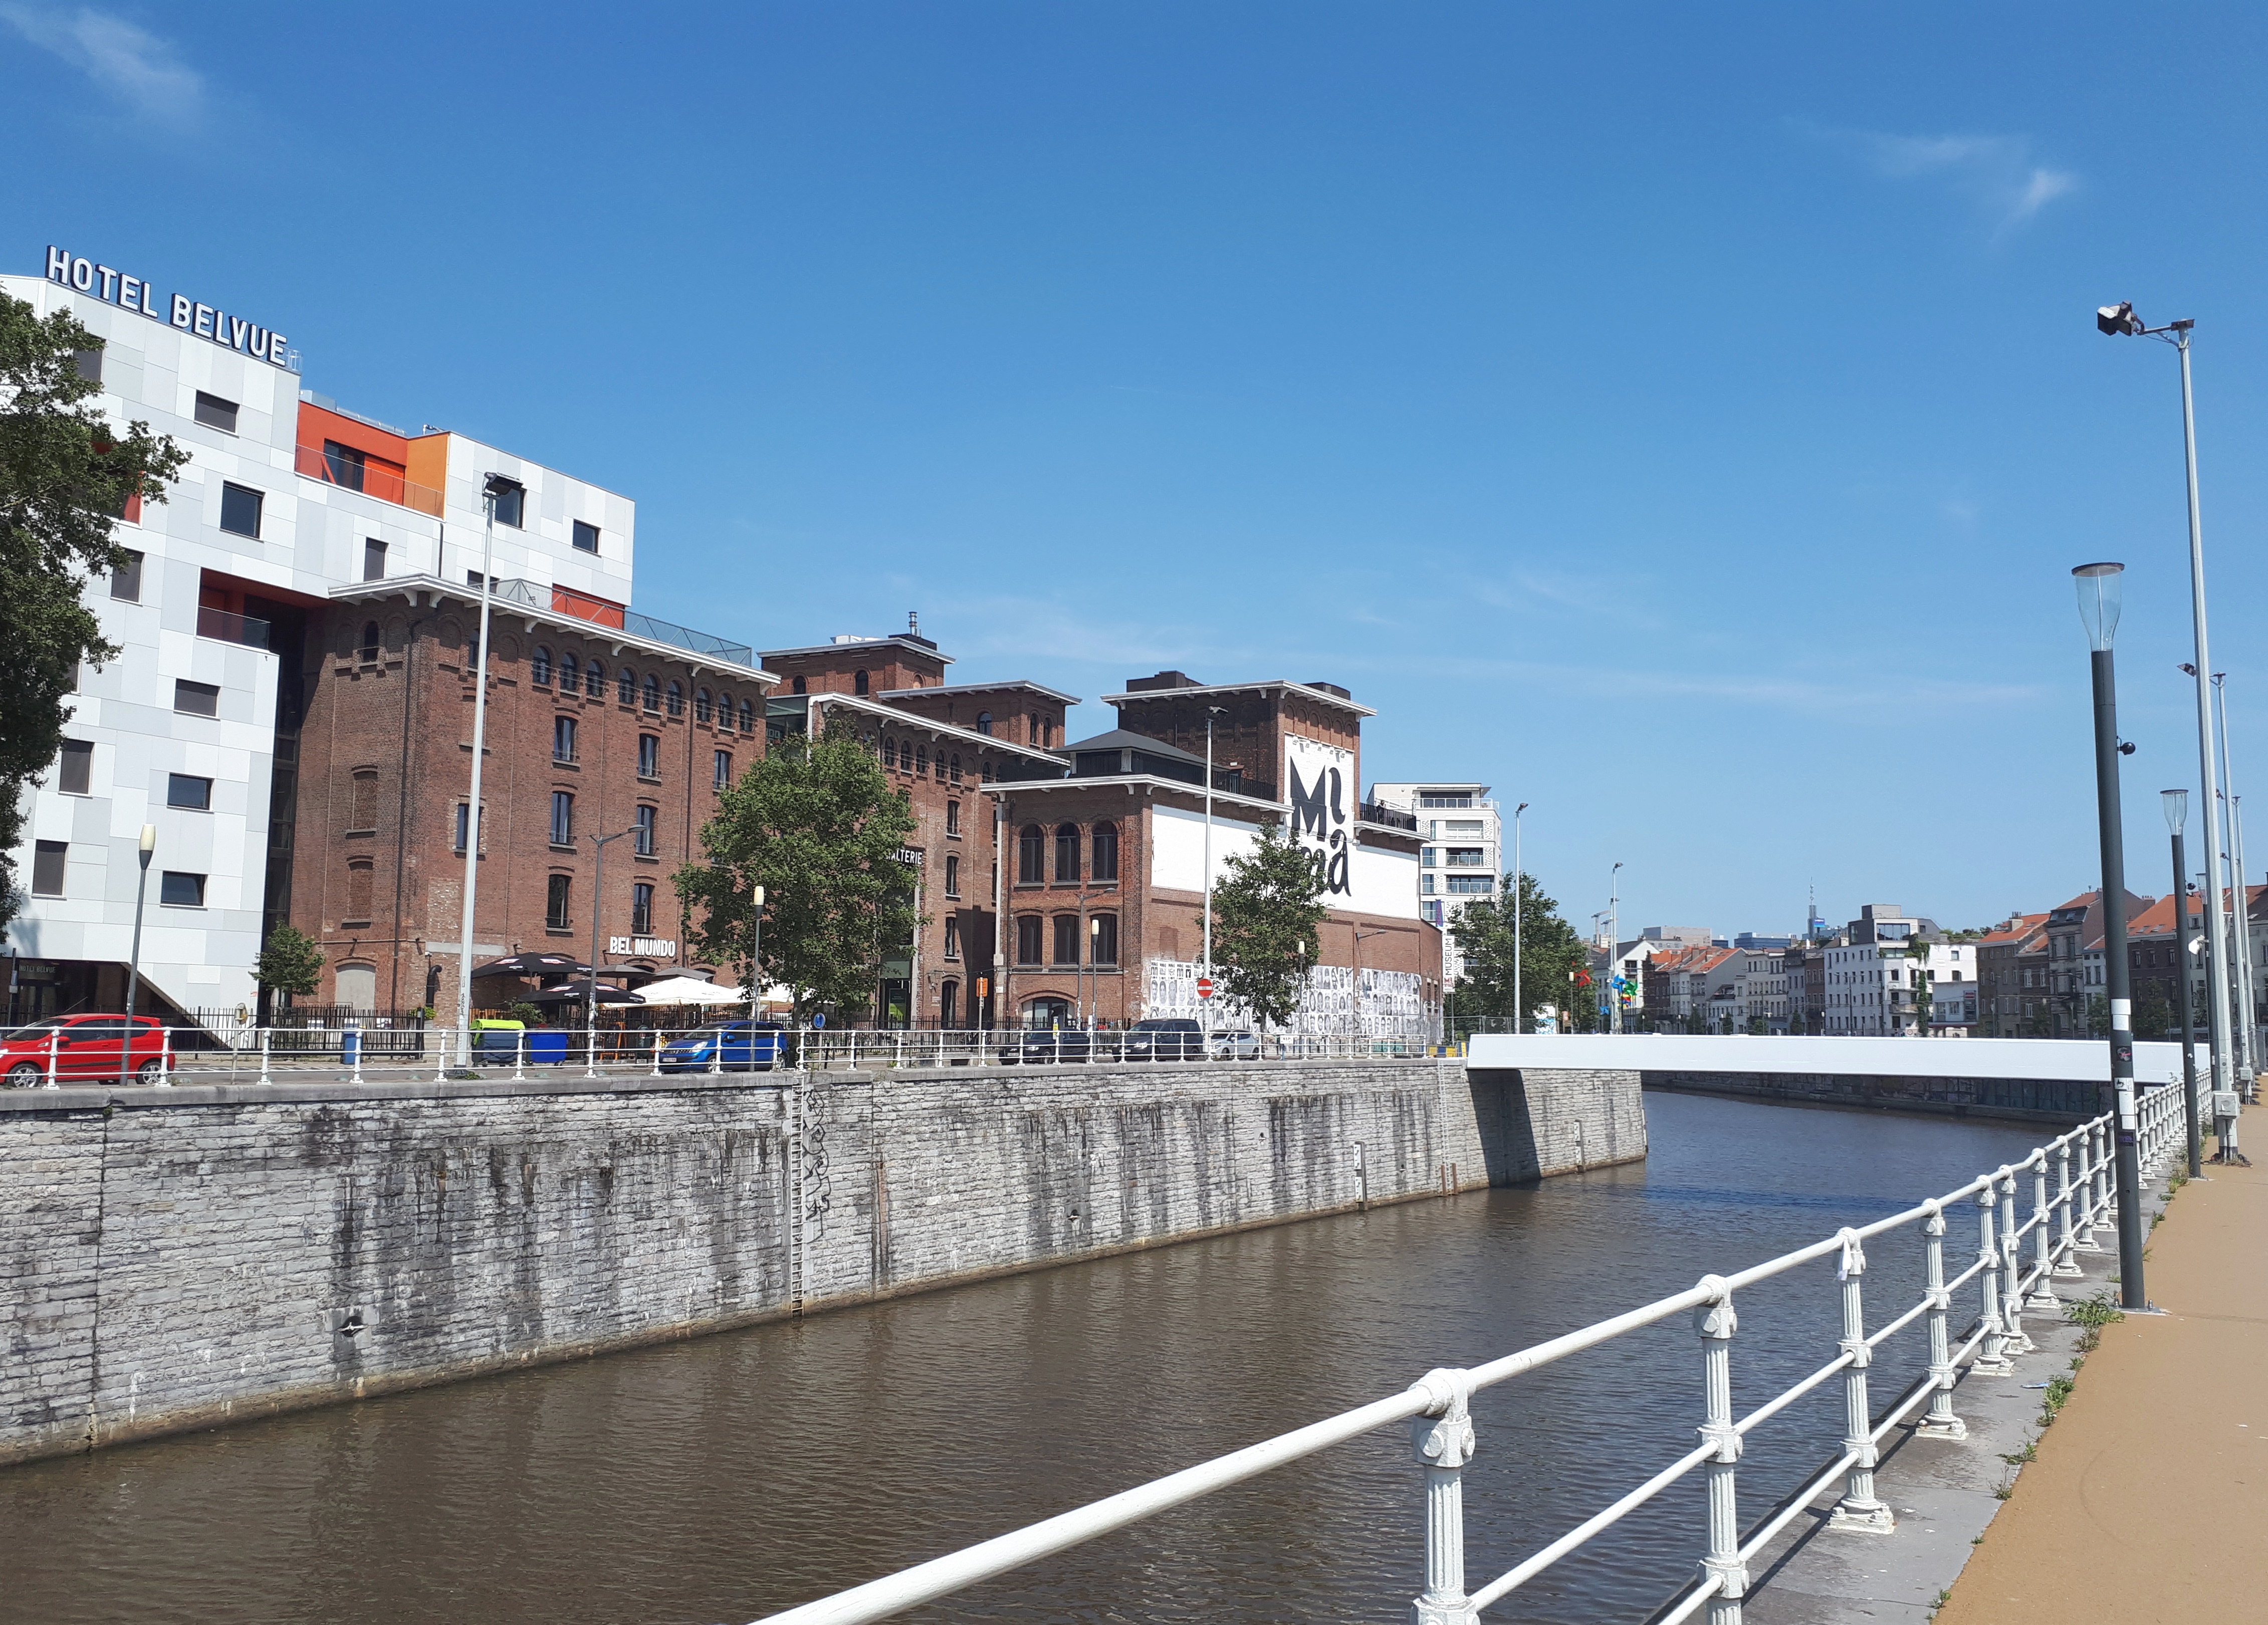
598	902
493	488
2098	610
1204	1006
2247	1064
2117	319
1519	910
134	962
1613	944
2176	803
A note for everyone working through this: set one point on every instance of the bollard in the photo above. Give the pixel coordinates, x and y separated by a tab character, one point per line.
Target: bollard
2065	1268
1992	1354
2043	1298
2012	1268
1858	1509
1715	1322
1940	1422
1443	1440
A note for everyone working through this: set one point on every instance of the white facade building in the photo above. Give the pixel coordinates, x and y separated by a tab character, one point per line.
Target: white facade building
1464	857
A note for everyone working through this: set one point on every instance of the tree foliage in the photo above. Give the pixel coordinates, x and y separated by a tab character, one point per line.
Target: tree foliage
816	824
64	471
292	963
1266	908
1547	952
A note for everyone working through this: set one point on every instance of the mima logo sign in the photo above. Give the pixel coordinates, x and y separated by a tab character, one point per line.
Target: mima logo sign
1316	778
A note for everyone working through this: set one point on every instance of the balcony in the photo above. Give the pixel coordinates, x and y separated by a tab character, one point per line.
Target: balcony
1391	818
248	630
371	477
1460	859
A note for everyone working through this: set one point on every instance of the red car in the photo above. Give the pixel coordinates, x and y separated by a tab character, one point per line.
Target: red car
83	1047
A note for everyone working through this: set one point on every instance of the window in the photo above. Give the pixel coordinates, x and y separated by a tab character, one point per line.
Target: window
1066	854
641	908
360	877
723	710
983	721
196	700
626	687
556	901
88	364
952	817
953	936
889	751
649	756
215	413
539	667
571	673
563	739
949	997
858	682
1105	853
652	692
1028	929
362	809
126	580
1031	853
724	770
644	826
1066	938
373	560
1103	929
1479	885
240	511
921	760
177	888
956	767
457	834
594	680
510	498
47	868
76	767
586	536
953	874
796	687
747	716
562	818
701	709
676	699
370	643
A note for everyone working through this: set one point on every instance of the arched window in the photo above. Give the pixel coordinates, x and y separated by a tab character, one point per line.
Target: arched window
956	767
983	721
796	687
626	687
1030	933
747	716
889	751
948	1004
701	709
676	698
858	681
1105	853
539	667
1066	852
571	673
594	680
920	759
370	641
652	692
1031	856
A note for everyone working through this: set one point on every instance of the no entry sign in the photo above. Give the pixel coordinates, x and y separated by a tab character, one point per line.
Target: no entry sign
1205	987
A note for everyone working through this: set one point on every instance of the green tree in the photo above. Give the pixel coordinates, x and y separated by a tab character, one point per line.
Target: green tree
293	962
1547	949
2154	1012
66	472
816	824
1266	908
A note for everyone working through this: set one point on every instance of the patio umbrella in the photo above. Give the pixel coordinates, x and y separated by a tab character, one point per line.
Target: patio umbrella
689	990
534	964
579	992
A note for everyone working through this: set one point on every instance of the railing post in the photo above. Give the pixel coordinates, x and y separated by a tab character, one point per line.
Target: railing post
2085	1192
2065	1268
1443	1439
267	1035
1940	1422
2103	1198
2012	1265
165	1057
1858	1509
2043	1298
1716	1322
1992	1354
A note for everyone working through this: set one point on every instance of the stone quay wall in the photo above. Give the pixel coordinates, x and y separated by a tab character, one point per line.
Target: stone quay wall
178	1258
2060	1101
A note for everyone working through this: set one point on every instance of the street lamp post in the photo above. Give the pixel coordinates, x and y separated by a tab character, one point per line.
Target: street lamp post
494	487
1613	942
2247	1064
755	959
1354	989
598	902
134	960
2176	803
1204	1006
2121	320
1519	910
2098	610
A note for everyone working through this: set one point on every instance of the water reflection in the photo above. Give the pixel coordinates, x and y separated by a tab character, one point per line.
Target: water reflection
721	1479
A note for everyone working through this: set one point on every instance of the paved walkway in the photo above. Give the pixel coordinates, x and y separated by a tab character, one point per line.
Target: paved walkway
2146	1497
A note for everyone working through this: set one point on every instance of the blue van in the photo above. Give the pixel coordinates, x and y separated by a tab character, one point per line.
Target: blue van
728	1046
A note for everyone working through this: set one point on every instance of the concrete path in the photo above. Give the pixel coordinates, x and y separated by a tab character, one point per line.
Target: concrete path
2146	1500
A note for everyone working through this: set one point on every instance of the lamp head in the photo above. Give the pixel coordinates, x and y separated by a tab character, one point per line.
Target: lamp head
149	840
2115	320
2176	803
2187	670
758	896
2098	602
497	484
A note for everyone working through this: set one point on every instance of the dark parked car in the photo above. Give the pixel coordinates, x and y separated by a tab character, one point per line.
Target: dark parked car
729	1046
1165	1039
82	1048
1046	1046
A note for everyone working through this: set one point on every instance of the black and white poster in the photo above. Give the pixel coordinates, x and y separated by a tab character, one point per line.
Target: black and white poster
1319	784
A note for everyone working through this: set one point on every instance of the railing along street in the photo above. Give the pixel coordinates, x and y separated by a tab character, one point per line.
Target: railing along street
2034	1218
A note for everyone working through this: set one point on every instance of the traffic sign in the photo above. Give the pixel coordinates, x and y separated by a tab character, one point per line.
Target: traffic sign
1205	987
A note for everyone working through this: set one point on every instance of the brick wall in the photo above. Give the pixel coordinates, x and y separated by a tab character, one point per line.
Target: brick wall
180	1258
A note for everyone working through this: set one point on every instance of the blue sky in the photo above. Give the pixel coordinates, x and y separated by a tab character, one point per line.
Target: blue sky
1684	419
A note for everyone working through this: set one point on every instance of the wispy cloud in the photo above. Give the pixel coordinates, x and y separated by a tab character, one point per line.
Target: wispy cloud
134	66
1998	175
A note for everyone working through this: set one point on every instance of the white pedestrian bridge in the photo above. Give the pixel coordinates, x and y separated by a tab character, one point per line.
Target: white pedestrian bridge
2067	1060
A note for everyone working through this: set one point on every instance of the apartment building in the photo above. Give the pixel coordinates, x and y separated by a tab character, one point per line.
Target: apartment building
1463	857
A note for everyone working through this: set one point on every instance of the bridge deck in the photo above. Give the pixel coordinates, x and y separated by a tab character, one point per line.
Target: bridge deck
2145	1503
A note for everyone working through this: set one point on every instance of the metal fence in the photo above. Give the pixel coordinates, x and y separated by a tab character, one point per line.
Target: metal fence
2017	1262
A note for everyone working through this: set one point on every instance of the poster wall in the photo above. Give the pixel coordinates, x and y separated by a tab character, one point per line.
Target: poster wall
1319	783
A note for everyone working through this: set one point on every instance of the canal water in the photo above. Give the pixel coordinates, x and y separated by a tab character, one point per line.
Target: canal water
721	1479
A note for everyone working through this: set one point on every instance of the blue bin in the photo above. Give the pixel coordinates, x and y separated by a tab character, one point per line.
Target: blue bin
547	1047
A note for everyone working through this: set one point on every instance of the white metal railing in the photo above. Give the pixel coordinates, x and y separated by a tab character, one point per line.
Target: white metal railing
2018	1260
